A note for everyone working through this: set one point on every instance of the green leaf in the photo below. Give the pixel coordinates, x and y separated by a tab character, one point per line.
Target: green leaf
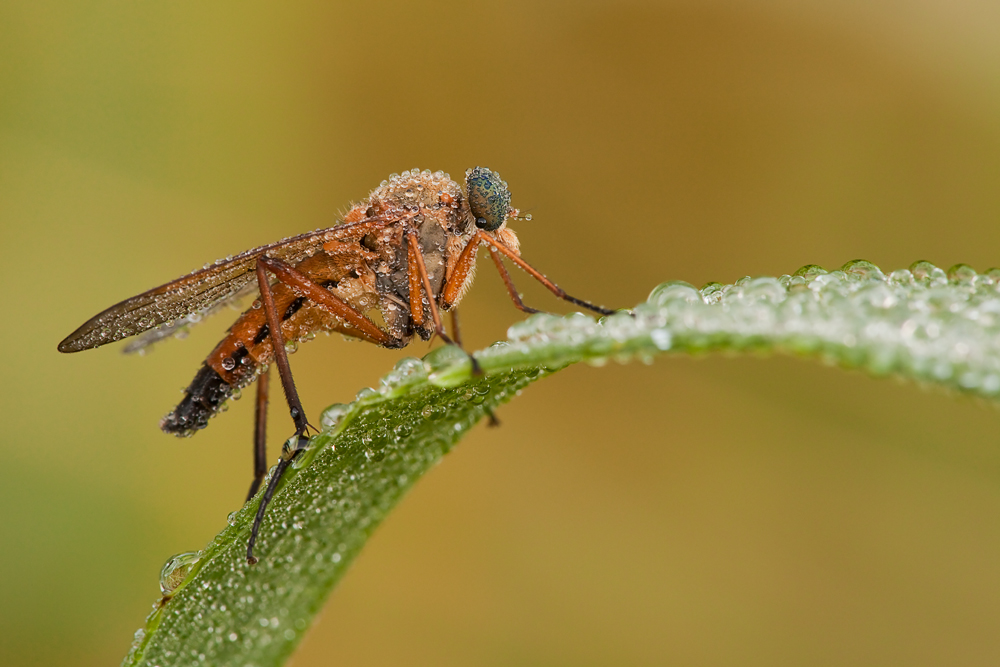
919	323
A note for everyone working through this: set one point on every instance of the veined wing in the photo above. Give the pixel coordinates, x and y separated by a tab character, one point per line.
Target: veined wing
196	293
179	327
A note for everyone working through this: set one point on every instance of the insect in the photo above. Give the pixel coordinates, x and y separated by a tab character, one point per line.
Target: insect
406	254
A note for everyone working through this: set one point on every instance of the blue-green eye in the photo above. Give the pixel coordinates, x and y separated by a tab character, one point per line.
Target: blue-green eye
489	198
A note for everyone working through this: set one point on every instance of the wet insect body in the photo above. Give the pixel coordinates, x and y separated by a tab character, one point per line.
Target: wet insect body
405	254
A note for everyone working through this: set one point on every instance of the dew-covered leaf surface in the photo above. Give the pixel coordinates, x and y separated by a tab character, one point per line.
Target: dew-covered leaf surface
922	323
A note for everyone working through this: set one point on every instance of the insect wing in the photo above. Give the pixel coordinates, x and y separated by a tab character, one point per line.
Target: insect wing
198	293
179	327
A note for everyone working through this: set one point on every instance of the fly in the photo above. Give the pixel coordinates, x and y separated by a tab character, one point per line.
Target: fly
406	254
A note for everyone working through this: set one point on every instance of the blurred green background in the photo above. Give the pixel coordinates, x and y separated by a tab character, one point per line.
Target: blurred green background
697	512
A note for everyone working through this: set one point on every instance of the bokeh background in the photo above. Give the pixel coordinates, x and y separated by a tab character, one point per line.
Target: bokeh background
698	512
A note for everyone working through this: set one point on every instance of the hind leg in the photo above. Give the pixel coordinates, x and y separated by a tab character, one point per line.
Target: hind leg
364	329
260	434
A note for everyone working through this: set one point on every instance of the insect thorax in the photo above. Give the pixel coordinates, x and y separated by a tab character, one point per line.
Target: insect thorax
432	205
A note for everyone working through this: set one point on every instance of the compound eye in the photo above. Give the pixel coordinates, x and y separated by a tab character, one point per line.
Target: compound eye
489	198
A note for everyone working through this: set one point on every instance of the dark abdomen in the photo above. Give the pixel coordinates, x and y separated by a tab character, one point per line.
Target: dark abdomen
202	399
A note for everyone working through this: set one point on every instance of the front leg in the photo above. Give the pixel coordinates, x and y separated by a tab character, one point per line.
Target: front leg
515	296
468	256
417	275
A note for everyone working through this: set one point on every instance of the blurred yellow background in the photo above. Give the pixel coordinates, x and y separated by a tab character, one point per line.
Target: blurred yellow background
710	512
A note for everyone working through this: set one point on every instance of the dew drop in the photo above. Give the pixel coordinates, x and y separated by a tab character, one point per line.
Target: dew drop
366	394
661	338
810	271
176	570
674	292
860	269
901	277
332	416
962	274
712	292
926	273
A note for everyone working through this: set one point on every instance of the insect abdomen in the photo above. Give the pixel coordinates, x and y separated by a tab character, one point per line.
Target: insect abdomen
202	399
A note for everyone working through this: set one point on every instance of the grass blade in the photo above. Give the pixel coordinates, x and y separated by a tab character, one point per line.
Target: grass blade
922	323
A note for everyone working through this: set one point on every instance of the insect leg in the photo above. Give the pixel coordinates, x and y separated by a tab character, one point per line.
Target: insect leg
301	283
278	345
417	263
318	294
511	290
287	456
291	395
419	277
260	434
456	334
456	330
534	273
460	274
414	283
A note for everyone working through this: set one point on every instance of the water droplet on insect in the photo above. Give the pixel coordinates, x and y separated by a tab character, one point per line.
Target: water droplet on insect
229	363
176	570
